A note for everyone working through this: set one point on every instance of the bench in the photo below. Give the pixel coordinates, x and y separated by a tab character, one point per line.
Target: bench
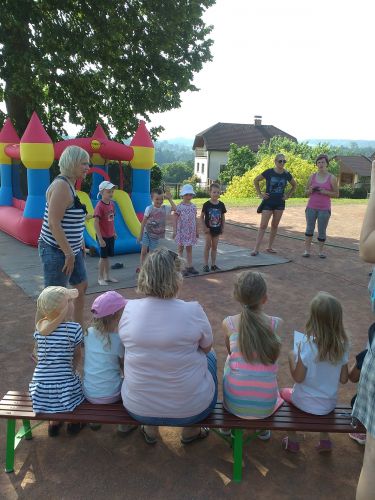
17	406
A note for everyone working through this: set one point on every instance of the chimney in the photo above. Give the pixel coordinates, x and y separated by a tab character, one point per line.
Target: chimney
257	120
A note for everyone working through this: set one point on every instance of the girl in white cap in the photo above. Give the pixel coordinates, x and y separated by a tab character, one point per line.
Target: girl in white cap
55	386
185	229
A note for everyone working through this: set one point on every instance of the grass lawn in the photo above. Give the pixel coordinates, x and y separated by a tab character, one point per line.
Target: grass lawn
254	202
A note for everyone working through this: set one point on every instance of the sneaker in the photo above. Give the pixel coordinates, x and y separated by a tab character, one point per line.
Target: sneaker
215	268
264	435
102	282
359	437
306	254
74	428
192	270
112	280
322	256
95	427
206	269
150	439
124	430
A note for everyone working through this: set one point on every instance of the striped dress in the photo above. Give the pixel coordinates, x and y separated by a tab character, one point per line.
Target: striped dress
73	224
250	389
55	387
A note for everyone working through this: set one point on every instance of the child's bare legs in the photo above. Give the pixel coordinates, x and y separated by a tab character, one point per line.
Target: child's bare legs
266	215
214	244
277	214
180	250
207	248
189	255
103	269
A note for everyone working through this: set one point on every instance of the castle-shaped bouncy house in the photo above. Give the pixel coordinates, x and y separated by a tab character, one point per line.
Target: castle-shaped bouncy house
22	219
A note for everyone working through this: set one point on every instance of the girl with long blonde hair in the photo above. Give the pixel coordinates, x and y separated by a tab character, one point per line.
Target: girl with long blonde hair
253	343
318	366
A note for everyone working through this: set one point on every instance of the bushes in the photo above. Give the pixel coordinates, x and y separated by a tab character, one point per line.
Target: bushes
243	187
348	191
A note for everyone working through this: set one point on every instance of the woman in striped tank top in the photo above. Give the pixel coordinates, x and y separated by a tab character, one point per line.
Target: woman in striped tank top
61	237
250	384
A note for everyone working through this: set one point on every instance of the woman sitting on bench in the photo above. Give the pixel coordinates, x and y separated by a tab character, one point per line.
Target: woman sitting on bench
170	369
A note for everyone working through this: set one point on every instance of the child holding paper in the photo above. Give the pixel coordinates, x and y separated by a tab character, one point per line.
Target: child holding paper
317	366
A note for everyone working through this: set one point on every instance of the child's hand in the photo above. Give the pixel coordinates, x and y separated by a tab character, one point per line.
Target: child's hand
168	194
206	230
89	217
102	243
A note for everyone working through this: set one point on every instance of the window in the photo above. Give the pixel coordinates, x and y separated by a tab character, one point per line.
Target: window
202	168
197	167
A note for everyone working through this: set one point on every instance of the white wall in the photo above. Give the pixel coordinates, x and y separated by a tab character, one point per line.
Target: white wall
200	168
216	158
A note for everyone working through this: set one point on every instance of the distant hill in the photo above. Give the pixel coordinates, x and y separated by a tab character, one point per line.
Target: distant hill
169	152
348	143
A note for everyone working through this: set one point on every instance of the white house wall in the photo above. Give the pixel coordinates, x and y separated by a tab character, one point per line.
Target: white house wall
216	158
200	168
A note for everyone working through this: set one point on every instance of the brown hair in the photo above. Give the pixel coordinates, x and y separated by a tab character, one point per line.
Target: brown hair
214	185
257	341
160	276
157	191
325	327
322	157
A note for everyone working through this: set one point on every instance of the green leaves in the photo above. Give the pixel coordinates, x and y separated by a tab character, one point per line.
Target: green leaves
240	160
94	61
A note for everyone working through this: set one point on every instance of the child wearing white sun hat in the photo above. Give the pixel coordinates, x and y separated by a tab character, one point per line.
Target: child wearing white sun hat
55	386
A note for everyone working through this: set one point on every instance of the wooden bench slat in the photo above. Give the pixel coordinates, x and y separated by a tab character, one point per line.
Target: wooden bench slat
18	405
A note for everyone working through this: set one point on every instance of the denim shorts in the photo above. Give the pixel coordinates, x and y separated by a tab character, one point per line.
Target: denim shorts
212	368
151	243
53	260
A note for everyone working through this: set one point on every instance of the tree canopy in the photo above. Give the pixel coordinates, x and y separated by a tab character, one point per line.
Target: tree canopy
240	160
98	61
177	171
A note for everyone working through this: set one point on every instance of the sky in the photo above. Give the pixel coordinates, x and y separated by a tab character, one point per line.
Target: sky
307	67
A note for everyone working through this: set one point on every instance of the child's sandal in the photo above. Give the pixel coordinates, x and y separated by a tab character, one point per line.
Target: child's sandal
324	446
288	445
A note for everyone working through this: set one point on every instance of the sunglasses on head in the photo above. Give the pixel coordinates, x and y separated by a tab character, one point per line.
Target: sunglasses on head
281	161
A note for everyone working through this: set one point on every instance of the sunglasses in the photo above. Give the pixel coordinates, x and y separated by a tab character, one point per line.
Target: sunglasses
281	161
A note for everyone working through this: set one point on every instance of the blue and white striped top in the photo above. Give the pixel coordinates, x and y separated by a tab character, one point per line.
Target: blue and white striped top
73	224
55	387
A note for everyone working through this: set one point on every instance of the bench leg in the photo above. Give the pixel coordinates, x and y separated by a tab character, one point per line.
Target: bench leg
11	435
237	455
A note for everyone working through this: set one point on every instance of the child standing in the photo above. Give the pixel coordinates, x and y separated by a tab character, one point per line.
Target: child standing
154	221
104	214
55	386
318	366
213	220
185	230
104	353
252	339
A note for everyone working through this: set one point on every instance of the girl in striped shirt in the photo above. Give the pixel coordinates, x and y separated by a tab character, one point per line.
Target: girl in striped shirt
252	339
56	386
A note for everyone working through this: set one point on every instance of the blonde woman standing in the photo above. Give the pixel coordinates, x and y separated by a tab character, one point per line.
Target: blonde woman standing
61	237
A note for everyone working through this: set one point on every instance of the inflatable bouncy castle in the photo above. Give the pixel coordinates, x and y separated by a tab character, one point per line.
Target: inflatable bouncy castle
22	219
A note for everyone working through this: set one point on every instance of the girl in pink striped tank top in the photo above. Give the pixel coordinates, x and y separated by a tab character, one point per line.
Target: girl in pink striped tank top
250	373
321	187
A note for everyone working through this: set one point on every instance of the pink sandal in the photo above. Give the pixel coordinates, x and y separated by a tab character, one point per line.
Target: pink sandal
288	445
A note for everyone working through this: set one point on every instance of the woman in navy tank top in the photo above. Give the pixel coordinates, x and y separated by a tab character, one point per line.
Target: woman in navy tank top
61	237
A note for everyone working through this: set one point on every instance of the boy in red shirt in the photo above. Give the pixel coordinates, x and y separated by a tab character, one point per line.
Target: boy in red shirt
104	214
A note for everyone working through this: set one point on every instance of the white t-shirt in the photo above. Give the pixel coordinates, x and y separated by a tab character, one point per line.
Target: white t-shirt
156	220
166	373
317	394
102	375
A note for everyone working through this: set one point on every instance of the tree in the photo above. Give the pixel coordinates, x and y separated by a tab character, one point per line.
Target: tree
156	177
243	187
177	171
240	160
98	61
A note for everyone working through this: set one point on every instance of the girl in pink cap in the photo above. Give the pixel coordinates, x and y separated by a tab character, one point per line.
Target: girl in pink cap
104	354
